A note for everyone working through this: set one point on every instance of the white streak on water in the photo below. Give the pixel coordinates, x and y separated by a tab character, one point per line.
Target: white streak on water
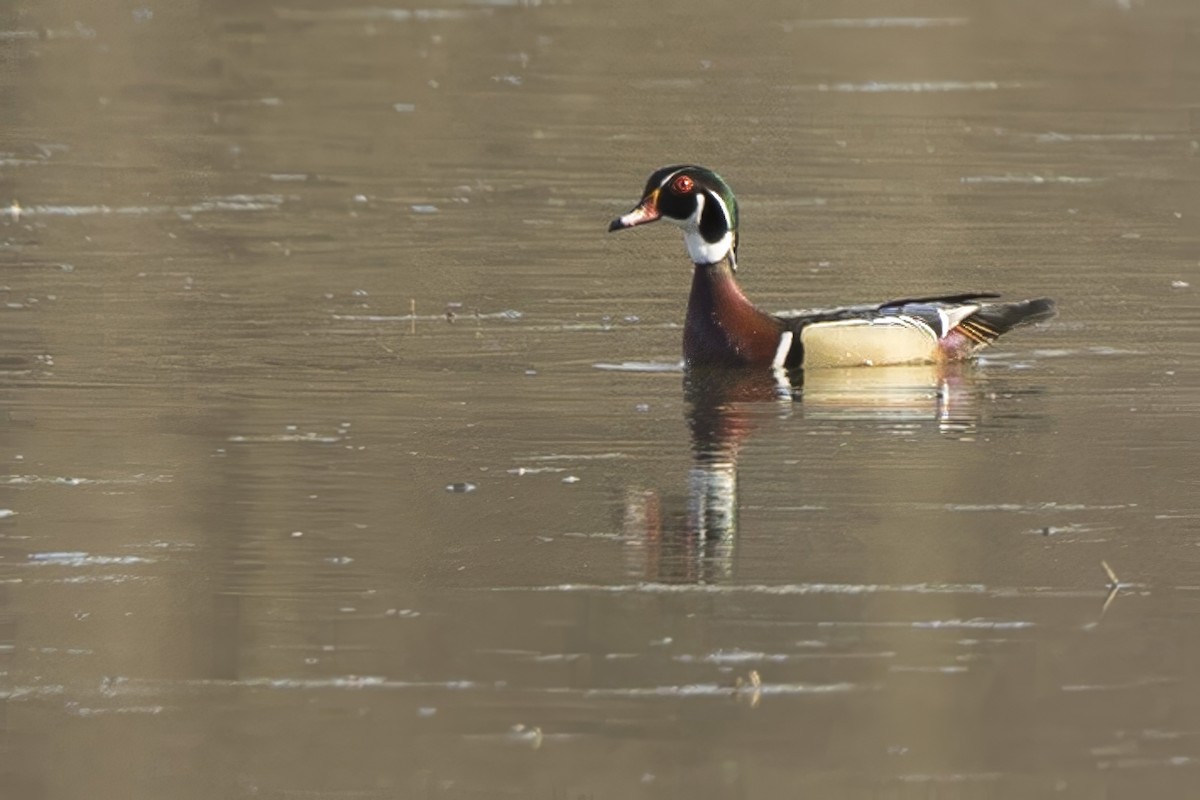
641	366
1032	507
765	589
951	777
878	22
236	202
1139	683
80	559
71	481
746	656
84	711
377	14
28	692
286	437
1028	179
948	624
506	314
987	624
1054	136
1142	763
718	690
122	686
913	86
578	457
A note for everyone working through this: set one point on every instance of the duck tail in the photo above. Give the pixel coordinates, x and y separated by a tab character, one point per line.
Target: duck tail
994	319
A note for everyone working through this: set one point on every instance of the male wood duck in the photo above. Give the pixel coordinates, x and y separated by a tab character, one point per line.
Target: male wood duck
723	328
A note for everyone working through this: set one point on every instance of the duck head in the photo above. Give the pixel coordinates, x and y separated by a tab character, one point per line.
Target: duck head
698	201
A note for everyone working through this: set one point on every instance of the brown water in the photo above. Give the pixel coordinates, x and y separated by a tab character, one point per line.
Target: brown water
230	563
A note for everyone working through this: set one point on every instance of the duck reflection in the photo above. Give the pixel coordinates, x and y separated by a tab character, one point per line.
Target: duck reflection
694	540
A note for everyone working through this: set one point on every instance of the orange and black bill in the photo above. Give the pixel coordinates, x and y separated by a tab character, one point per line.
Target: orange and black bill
646	211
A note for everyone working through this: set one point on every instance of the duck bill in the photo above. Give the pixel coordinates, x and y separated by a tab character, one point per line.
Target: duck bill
646	211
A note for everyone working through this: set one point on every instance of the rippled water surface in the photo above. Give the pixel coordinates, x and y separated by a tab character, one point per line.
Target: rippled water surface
345	455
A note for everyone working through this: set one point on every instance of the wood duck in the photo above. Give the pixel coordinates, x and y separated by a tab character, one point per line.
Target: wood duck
723	328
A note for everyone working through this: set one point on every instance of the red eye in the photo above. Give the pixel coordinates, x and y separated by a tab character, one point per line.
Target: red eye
682	185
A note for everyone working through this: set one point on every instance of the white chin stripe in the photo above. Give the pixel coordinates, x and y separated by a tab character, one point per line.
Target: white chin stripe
703	252
700	250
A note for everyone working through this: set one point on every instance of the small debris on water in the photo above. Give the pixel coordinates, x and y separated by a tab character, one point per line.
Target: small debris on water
404	107
461	488
1180	284
424	208
751	685
527	735
572	479
297	534
642	408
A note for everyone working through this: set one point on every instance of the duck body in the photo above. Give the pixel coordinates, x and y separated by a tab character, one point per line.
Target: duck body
723	328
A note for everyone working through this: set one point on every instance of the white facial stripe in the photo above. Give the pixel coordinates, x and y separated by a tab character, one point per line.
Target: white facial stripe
694	220
670	178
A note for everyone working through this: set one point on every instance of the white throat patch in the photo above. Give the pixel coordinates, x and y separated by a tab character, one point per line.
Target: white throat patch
701	251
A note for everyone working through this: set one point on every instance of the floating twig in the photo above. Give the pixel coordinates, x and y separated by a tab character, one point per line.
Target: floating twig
1114	585
1113	580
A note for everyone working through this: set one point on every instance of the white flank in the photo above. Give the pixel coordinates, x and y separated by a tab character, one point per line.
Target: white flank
869	342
